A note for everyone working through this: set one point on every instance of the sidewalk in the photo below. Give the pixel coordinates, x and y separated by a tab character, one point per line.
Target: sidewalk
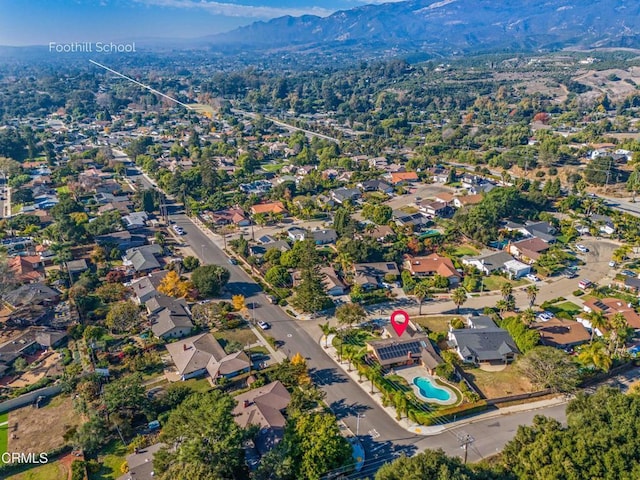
277	356
433	429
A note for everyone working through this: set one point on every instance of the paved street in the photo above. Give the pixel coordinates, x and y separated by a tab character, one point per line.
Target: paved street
382	437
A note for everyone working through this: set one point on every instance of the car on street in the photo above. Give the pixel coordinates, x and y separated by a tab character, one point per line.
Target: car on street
178	229
581	248
233	261
584	284
612	264
570	274
263	325
272	299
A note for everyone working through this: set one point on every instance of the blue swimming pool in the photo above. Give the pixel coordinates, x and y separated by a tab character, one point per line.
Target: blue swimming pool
430	391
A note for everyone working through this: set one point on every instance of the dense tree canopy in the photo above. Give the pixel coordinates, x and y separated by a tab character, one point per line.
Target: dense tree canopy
209	279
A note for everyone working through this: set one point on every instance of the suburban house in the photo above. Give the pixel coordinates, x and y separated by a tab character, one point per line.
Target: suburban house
604	222
483	342
433	264
380	233
491	262
324	237
415	220
143	259
123	240
263	406
401	178
76	267
375	186
414	347
297	234
528	250
228	216
341	195
369	275
27	269
609	307
543	230
203	355
446	198
564	334
332	283
27	343
135	220
145	288
436	209
273	208
170	317
140	463
32	294
467	200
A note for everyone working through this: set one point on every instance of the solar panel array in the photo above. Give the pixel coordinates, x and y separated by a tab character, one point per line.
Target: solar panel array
398	350
600	305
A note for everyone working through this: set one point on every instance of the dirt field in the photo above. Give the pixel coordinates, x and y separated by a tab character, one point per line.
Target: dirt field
499	384
47	366
623	86
41	430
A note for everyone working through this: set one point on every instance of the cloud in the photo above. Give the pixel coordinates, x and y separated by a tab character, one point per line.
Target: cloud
235	10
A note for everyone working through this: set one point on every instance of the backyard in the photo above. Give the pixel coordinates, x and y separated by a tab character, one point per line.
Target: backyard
111	458
499	384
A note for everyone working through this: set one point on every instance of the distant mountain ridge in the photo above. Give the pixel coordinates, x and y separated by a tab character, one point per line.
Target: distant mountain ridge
449	26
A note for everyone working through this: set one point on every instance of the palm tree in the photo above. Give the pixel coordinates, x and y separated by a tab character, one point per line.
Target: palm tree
506	290
502	305
326	331
458	297
619	333
598	321
532	293
595	354
528	316
421	291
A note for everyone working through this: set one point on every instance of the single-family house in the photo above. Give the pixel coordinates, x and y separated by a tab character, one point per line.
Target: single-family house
273	208
516	269
369	275
435	209
342	194
123	240
324	237
380	233
402	178
604	223
562	334
543	230
27	269
228	216
528	250
417	221
145	288
170	317
467	200
75	268
487	343
375	186
489	262
140	463
609	307
431	265
263	407
135	220
445	197
143	259
32	294
203	355
297	234
333	285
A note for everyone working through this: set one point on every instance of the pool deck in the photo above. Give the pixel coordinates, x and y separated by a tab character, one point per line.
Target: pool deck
409	373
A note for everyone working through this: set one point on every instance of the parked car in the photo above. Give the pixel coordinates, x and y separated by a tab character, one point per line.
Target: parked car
612	264
263	325
233	261
178	229
629	273
581	248
272	299
570	274
532	277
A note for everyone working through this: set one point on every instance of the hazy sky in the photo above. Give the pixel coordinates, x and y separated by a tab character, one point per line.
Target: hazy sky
37	22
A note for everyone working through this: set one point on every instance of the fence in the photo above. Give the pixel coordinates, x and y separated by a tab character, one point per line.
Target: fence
29	398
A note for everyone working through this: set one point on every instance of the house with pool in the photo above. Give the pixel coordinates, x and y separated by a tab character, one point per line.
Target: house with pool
413	348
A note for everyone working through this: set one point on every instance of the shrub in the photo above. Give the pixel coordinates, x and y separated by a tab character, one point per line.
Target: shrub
540	174
578	292
553	171
446	371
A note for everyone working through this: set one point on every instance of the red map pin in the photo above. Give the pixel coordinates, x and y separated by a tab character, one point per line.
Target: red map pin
399	321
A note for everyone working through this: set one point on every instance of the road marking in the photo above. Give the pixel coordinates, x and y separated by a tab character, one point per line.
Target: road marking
374	433
289	335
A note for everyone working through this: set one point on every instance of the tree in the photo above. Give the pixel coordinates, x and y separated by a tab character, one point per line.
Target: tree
326	331
91	435
209	279
238	302
206	438
314	442
173	286
421	291
528	316
548	367
350	313
506	290
123	316
190	263
595	354
279	277
458	297
604	422
126	396
532	293
598	322
112	292
633	183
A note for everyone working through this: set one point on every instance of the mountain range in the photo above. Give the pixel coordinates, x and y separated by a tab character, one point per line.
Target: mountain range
450	26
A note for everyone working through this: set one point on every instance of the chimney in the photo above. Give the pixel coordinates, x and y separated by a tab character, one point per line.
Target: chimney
184	346
245	403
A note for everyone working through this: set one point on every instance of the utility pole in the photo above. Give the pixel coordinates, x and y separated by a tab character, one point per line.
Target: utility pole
465	441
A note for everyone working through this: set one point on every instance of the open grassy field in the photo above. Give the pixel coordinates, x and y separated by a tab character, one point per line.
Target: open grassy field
435	323
499	384
48	471
111	457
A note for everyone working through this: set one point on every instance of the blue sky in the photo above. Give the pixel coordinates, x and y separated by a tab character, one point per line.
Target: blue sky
38	22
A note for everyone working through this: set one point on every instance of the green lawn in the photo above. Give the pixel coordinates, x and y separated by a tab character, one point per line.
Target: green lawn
570	309
4	434
63	189
111	457
435	323
495	282
48	471
200	385
464	250
243	335
272	167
